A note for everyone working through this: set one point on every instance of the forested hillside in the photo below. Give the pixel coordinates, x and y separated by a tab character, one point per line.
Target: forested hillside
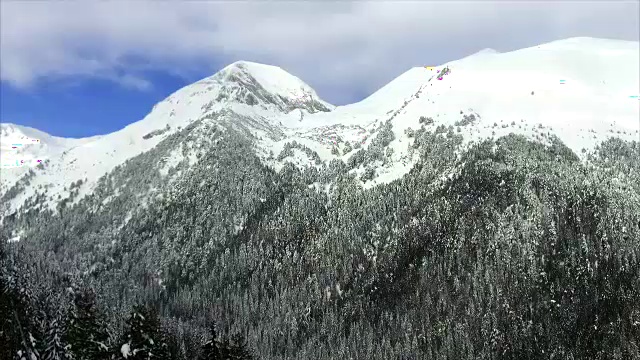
510	249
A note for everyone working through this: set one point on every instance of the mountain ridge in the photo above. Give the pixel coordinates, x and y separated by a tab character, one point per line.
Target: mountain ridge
516	91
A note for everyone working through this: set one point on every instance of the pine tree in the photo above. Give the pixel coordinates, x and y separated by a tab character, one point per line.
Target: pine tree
12	331
144	339
223	348
211	350
9	329
16	320
238	348
54	347
87	333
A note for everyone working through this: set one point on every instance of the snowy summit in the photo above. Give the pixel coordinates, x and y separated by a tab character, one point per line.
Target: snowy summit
577	89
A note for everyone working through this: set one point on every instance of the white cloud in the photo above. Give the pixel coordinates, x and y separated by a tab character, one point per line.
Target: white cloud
337	47
134	82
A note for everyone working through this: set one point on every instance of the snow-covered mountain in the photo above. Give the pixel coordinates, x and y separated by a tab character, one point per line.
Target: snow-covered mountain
25	143
23	148
578	89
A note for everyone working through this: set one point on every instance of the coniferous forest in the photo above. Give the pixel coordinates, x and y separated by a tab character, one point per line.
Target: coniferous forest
505	249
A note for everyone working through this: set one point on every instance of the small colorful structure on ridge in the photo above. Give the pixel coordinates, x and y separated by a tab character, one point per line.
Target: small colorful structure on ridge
443	72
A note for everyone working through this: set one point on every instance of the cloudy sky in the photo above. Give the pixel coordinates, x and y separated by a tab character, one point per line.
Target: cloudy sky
85	68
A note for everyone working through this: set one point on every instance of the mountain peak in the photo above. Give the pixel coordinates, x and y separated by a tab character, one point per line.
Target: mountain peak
487	51
482	53
13	132
267	85
21	143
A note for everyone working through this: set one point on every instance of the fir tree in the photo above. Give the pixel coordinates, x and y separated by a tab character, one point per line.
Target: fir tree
223	348
54	347
211	349
144	339
238	348
16	320
12	332
87	334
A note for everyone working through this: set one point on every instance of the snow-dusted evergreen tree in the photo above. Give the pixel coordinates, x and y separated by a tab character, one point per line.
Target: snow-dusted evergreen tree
347	148
17	311
211	349
225	348
237	348
13	332
87	333
144	338
54	347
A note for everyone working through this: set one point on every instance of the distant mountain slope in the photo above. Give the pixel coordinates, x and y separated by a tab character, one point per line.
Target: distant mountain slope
33	143
482	96
22	148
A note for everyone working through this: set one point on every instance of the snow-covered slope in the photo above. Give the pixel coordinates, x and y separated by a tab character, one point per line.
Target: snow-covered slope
249	89
598	76
25	143
519	92
22	148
